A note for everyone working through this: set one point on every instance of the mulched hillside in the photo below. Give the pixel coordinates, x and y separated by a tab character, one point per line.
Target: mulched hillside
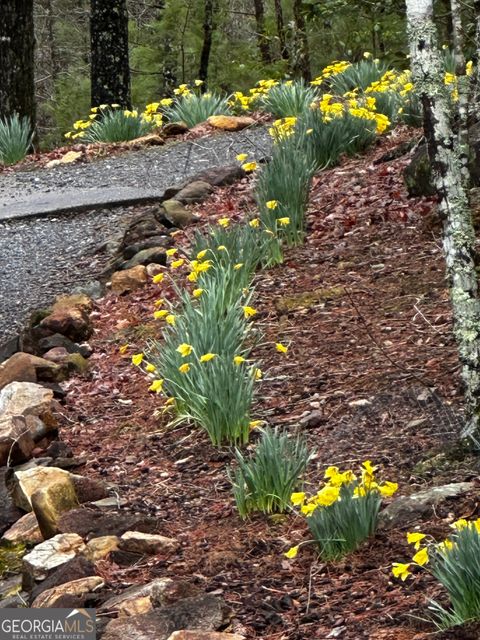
371	373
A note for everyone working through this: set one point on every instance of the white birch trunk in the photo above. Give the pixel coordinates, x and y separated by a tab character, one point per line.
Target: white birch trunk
459	237
463	89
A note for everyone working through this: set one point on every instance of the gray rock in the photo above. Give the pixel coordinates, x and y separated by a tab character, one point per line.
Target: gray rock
149	243
50	555
57	340
406	509
79	588
147	543
93	523
9	513
161	592
25	530
195	191
206	613
75	569
177	215
93	289
146	256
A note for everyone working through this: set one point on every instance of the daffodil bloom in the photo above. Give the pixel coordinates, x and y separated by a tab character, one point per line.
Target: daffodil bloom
184	349
202	254
207	357
297	499
224	222
159	302
248	312
221	247
171	252
387	489
369	468
253	424
401	570
283	222
421	557
177	263
445	546
308	509
123	348
157	386
415	539
238	360
327	496
257	374
170	319
197	292
460	524
255	223
158	278
150	368
281	348
184	368
137	359
242	157
249	166
198	83
192	276
161	313
238	266
271	204
292	553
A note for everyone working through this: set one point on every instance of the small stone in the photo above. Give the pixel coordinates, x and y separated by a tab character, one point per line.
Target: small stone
51	554
174	128
70	317
135	607
99	548
231	123
177	215
146	543
154	269
162	242
146	256
93	289
50	597
363	402
75	569
150	140
129	280
313	419
25	530
195	191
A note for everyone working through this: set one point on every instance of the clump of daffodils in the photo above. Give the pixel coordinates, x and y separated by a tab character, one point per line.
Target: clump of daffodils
344	512
454	563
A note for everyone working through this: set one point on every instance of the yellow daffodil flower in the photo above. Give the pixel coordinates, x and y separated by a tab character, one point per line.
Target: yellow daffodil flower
161	313
253	424
158	278
207	357
242	157
248	312
255	223
177	263
415	539
401	570
387	489
281	348
238	266
221	247
184	368
137	359
292	553
202	254
271	204
257	374
445	546
224	222
460	524
308	509
171	252
284	222
192	276
327	496
238	360
421	557
157	386
150	368
123	349
197	292
170	319
249	166
184	349
159	302
297	499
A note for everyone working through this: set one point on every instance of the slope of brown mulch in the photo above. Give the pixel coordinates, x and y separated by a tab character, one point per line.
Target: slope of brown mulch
371	373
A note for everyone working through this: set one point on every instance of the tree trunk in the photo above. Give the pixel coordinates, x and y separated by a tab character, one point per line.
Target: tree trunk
476	80
458	237
262	40
208	29
463	90
110	71
301	54
17	45
281	30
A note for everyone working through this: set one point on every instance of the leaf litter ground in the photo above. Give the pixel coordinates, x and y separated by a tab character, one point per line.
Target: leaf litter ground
371	373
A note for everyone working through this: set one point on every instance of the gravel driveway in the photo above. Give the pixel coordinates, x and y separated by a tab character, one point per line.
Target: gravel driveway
42	257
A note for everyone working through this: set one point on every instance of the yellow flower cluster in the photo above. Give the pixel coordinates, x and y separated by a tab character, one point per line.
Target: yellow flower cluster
247	101
332	69
283	128
335	480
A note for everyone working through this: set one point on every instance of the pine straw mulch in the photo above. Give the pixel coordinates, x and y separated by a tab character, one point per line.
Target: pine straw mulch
371	373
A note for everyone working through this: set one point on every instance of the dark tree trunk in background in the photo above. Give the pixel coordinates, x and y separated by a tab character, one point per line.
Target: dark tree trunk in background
281	30
301	54
262	40
17	44
208	29
110	71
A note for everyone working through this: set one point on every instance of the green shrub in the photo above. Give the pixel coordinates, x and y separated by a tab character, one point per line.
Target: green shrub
284	100
358	75
193	108
117	125
344	512
264	481
15	139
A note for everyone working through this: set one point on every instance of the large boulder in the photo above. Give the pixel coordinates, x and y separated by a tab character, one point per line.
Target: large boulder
53	597
93	523
195	191
176	215
146	256
206	613
25	531
25	367
75	569
147	543
158	593
70	317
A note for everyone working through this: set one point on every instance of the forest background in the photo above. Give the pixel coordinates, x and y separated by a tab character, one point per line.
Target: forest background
250	40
